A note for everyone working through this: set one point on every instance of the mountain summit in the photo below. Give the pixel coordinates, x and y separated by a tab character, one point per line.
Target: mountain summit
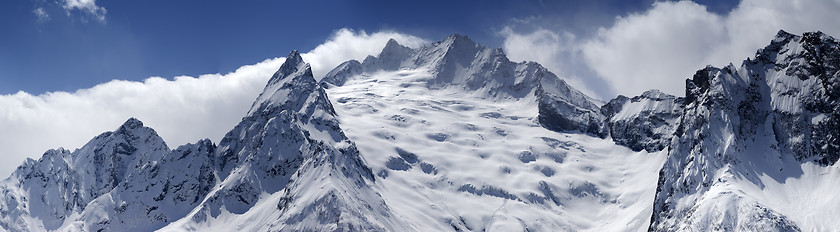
458	62
43	194
455	136
759	126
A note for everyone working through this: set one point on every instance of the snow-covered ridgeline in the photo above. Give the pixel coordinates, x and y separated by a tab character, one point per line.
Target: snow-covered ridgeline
458	62
751	127
42	194
453	135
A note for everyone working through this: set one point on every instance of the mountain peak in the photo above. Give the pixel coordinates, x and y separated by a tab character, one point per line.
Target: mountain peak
134	127
655	94
782	34
393	53
289	87
458	37
391	45
458	40
294	63
131	123
392	42
294	55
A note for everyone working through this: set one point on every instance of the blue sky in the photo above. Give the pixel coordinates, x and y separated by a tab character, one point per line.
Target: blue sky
74	49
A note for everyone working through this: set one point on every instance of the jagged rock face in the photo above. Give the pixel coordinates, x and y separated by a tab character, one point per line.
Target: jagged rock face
275	136
157	194
459	62
803	75
288	160
111	156
562	108
62	183
645	122
291	147
53	182
784	99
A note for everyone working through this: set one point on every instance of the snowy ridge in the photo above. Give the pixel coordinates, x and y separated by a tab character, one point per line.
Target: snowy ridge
454	136
289	165
41	194
458	62
156	195
748	131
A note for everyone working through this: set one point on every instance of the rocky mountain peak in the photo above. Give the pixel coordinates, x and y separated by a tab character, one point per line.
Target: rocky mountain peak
779	107
291	65
456	40
655	94
392	47
289	87
130	124
459	47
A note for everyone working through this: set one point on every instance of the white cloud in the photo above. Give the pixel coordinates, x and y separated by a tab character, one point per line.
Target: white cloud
657	49
87	6
347	44
666	44
182	110
557	51
41	14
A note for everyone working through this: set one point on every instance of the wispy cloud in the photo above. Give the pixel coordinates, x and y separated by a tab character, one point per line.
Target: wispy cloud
41	14
662	46
87	7
181	110
83	10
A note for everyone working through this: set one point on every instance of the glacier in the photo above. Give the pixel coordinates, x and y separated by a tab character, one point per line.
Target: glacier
453	136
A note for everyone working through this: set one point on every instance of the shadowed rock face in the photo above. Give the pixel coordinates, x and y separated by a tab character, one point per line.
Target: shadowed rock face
785	99
291	144
645	122
62	183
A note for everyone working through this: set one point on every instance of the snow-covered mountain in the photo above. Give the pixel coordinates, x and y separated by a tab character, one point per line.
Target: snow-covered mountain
757	145
458	62
43	194
454	136
470	151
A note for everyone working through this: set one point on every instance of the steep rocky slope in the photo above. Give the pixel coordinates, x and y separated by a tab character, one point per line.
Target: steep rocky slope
41	194
761	127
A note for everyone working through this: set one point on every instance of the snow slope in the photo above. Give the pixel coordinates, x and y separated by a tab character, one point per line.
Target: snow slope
454	136
459	63
453	160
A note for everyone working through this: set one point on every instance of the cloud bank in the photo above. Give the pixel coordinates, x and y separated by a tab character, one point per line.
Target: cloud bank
661	47
182	110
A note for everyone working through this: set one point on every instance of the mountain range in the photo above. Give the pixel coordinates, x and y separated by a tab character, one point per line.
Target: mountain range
453	136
